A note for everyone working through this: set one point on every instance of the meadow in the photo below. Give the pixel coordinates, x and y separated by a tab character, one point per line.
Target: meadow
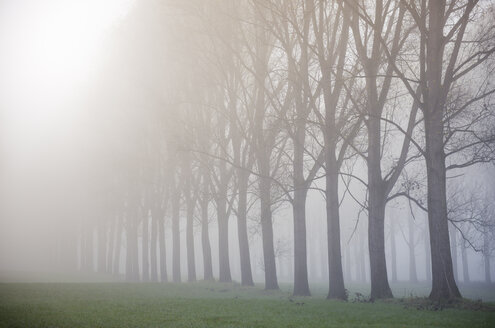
205	304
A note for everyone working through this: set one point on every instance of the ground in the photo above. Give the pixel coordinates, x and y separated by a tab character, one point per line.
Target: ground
226	305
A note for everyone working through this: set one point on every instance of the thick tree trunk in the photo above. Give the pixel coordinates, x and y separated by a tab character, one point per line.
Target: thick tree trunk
443	282
271	281
205	239
335	274
145	247
191	263
242	233
153	255
163	249
176	237
465	264
413	276
393	250
376	210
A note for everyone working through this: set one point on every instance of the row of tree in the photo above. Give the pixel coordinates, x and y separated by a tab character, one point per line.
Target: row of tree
239	107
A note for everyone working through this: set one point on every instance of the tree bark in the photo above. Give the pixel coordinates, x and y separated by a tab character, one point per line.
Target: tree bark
153	245
163	249
413	276
335	274
271	281
301	284
176	275
205	236
393	250
191	263
145	247
118	246
102	245
242	233
453	248
465	264
486	257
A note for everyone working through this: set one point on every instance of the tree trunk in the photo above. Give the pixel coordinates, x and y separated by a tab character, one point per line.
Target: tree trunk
428	255
111	244
393	250
376	209
205	238
153	260
163	249
245	258
361	259
413	276
453	247
176	237
465	264
348	275
335	274
89	248
191	263
443	282
102	245
145	246
301	285
486	257
118	246
223	236
271	281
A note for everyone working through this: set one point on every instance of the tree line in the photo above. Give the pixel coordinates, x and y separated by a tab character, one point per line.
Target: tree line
231	109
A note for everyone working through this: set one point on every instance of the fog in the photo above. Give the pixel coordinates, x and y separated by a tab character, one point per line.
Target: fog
115	114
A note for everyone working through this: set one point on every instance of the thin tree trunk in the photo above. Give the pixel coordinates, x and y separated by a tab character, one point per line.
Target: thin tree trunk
153	259
393	250
465	264
223	239
102	246
111	244
453	247
145	247
118	246
191	263
486	257
205	236
163	249
176	275
428	254
413	276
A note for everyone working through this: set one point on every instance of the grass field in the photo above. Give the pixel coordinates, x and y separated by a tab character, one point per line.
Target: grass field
212	305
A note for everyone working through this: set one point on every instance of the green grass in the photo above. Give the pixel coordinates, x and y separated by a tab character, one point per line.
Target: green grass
207	305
